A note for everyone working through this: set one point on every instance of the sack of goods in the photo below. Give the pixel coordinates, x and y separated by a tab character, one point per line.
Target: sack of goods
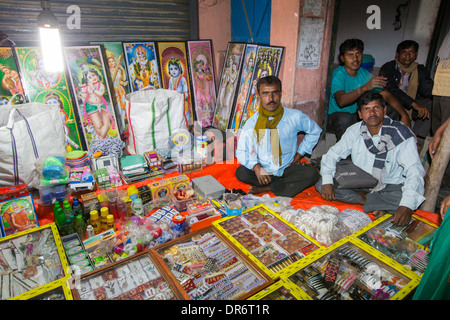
153	115
28	132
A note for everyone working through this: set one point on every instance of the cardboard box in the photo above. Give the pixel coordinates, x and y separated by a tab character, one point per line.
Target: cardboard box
160	188
179	182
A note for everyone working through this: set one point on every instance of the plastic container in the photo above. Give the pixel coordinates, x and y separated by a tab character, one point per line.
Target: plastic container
179	225
104	212
95	221
199	205
231	211
180	204
202	219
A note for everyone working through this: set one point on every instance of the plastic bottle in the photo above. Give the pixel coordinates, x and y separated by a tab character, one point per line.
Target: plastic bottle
67	209
104	212
179	225
81	226
122	209
112	205
76	207
110	222
90	231
74	222
138	208
95	221
56	205
132	192
69	226
60	220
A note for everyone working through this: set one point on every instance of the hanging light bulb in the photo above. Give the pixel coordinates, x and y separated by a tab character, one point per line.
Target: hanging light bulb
50	40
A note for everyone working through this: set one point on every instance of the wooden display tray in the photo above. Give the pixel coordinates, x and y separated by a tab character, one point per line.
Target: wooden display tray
248	263
76	296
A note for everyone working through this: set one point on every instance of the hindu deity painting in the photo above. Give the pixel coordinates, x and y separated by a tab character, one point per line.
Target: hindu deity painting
142	64
11	89
50	88
203	80
268	61
93	96
175	73
228	84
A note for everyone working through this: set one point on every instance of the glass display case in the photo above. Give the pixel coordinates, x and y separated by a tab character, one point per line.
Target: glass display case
347	272
407	245
135	278
272	242
31	259
206	266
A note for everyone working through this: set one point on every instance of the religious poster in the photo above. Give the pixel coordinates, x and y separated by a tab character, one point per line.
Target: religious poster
228	85
50	88
268	61
244	86
93	98
17	215
175	73
11	90
202	79
116	68
142	65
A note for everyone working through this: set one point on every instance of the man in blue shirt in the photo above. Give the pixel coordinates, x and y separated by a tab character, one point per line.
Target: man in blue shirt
267	147
387	150
348	83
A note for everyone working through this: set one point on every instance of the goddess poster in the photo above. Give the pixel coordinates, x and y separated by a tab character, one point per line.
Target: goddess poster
11	89
175	73
202	77
142	64
228	85
116	68
267	64
50	88
93	97
245	84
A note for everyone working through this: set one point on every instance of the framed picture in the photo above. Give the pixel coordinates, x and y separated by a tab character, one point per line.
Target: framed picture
93	96
203	80
268	61
116	68
244	86
49	88
228	84
175	73
142	65
17	215
11	90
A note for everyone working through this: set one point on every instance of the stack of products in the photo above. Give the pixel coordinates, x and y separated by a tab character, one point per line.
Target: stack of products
134	168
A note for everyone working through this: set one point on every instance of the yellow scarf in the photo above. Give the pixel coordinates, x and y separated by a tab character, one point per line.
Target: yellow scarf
263	123
413	79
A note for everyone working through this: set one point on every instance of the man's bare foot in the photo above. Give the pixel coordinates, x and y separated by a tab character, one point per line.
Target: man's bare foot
379	213
363	197
257	190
